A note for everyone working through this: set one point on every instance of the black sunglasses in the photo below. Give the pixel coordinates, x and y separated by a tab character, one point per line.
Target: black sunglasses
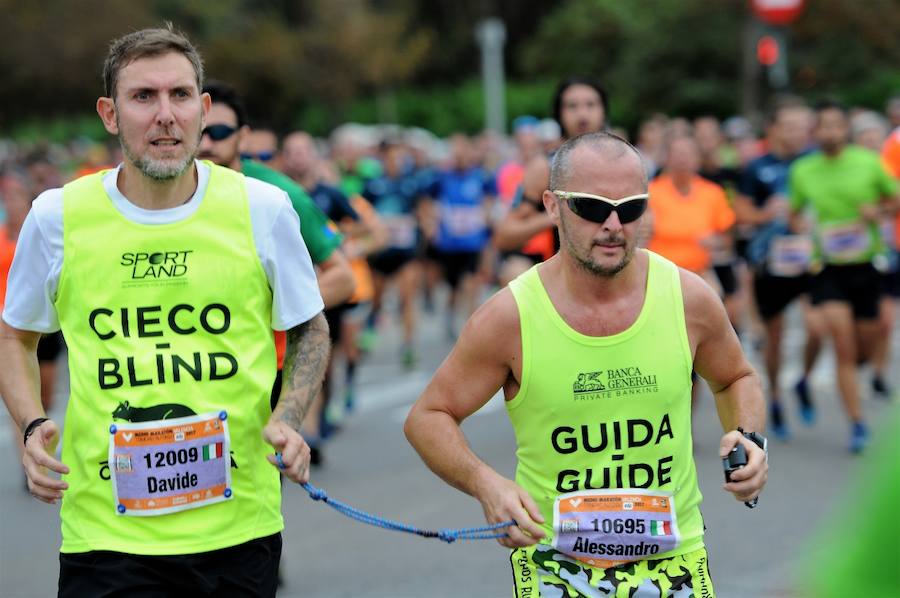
218	132
261	156
597	208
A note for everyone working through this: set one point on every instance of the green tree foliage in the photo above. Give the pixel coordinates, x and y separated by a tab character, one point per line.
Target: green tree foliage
280	55
316	63
675	56
848	49
684	56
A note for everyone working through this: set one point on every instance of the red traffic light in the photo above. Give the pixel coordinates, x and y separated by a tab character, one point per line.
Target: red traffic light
777	12
767	50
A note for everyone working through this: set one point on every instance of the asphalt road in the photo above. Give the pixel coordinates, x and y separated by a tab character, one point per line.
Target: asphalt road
753	553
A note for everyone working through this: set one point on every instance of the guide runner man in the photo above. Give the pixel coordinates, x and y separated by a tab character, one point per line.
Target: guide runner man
175	273
594	350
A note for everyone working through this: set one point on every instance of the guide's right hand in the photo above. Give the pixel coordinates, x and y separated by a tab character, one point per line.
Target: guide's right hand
503	500
38	458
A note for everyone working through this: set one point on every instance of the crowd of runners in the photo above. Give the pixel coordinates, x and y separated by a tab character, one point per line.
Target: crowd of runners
801	207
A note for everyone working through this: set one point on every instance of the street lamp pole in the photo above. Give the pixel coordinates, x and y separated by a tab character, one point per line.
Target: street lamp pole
491	36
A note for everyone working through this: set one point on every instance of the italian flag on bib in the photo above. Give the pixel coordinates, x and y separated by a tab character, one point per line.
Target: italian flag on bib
212	451
660	528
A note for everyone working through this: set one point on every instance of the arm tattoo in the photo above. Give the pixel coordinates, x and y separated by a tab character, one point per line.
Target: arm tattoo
305	359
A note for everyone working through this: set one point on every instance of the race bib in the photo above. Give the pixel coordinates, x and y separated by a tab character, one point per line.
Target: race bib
888	231
401	231
790	255
846	242
171	465
464	221
604	528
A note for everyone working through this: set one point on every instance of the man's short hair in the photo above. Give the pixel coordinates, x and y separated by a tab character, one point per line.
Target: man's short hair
223	93
561	166
831	104
782	103
566	84
143	44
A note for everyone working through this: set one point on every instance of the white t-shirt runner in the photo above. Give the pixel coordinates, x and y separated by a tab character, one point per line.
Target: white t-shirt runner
34	274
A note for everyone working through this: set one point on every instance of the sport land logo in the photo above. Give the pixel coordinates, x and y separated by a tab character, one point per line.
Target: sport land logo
155	265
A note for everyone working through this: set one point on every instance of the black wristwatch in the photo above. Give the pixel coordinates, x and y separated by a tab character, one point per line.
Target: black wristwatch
763	443
757	439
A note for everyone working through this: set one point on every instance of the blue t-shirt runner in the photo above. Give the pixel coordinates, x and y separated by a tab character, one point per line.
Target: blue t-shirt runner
463	197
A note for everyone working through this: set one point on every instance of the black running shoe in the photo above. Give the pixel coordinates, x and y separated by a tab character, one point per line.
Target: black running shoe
881	389
778	423
807	407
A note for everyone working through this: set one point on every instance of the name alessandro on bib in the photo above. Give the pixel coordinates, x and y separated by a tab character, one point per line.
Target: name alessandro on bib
153	321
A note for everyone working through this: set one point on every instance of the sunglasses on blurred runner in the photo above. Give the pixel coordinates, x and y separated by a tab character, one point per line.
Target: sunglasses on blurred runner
261	156
597	208
218	132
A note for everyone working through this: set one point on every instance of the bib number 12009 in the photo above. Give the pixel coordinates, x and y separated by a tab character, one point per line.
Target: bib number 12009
619	526
170	458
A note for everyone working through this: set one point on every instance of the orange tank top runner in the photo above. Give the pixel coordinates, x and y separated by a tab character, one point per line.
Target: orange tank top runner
890	155
7	249
681	222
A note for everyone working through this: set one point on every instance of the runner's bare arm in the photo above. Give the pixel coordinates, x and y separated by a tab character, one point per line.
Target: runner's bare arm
305	359
486	358
525	220
20	387
336	282
428	217
746	211
719	360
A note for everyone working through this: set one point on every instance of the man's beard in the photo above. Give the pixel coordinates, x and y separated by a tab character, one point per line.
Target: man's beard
160	170
588	264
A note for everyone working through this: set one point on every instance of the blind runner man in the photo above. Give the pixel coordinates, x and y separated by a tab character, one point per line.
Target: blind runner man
594	350
175	273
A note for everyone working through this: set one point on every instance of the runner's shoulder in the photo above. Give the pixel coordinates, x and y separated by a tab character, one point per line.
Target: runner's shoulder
494	327
700	300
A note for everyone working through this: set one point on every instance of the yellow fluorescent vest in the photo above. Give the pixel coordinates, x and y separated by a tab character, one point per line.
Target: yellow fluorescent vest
164	321
607	412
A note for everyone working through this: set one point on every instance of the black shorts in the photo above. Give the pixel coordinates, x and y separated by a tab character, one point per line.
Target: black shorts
390	261
246	570
50	346
276	390
860	285
431	253
727	278
457	264
890	283
333	316
740	248
774	293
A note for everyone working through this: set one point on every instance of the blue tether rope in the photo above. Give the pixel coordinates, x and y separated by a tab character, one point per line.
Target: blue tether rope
486	532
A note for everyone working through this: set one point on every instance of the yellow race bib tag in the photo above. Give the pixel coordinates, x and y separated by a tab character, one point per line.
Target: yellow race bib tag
171	465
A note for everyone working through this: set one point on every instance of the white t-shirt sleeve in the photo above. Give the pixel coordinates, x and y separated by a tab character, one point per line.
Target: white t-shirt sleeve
34	274
284	257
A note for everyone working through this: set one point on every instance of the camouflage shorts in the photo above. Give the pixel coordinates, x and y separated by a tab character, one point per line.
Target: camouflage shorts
542	571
